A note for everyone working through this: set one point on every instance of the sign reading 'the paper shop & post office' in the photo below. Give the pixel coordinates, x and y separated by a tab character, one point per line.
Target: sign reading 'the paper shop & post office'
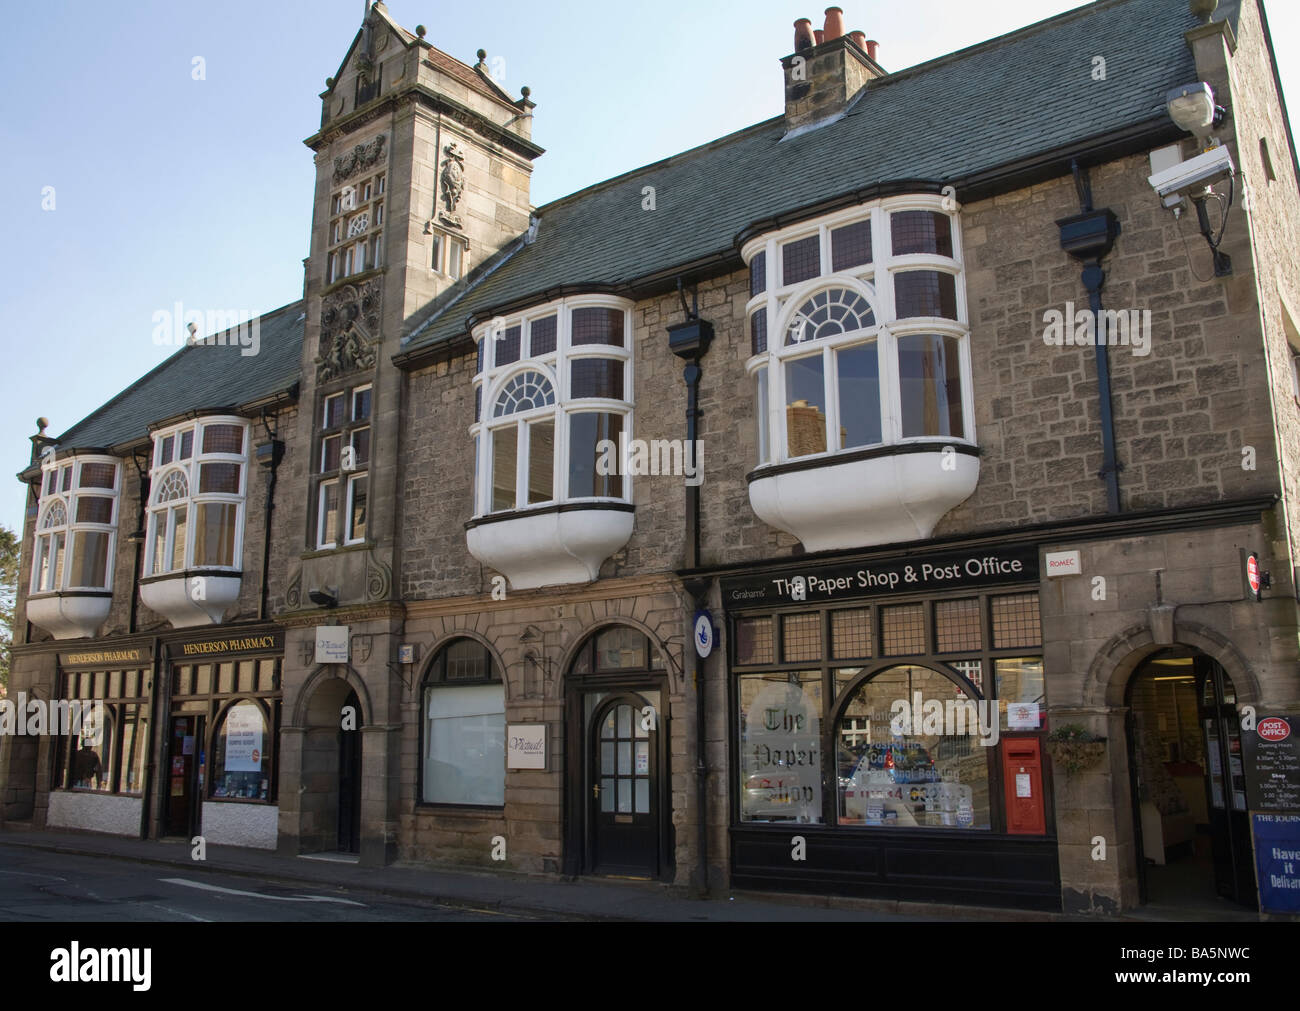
910	574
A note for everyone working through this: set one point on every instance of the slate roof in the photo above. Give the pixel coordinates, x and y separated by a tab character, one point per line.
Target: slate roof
972	111
198	377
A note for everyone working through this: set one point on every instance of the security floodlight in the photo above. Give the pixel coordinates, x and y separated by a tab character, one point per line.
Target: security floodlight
1192	108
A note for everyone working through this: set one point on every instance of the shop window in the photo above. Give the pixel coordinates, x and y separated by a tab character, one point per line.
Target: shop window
241	699
930	779
105	745
196	513
780	747
241	761
547	439
922	773
464	728
1016	621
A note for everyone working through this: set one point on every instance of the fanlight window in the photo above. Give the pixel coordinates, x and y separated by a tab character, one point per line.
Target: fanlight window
55	516
525	392
830	313
173	487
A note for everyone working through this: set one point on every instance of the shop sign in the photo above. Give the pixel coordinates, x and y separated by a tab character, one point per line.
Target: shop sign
105	658
1063	563
1273	764
332	644
269	641
815	583
526	746
1277	861
1252	575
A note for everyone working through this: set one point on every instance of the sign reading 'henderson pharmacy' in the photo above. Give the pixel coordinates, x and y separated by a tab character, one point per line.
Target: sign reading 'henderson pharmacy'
952	570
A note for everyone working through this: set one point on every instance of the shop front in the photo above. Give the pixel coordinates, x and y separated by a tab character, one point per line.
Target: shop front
887	724
100	738
219	749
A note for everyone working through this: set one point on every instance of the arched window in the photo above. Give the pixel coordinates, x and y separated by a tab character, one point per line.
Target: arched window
553	427
463	728
617	648
909	752
241	761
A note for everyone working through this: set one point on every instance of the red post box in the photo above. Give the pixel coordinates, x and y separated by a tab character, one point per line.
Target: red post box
1022	778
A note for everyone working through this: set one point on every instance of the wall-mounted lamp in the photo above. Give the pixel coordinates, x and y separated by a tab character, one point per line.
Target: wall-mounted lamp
1192	108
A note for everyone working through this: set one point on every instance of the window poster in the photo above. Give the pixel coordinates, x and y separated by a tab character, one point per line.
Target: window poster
244	738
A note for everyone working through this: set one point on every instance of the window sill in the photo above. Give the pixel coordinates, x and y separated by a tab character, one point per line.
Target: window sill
326	552
819	460
478	810
171	595
358	277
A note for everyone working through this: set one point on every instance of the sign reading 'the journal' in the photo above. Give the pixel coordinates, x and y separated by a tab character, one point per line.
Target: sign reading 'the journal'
909	574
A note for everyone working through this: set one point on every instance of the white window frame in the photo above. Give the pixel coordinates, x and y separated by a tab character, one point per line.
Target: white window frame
165	512
446	249
874	281
556	367
345	431
52	479
349	252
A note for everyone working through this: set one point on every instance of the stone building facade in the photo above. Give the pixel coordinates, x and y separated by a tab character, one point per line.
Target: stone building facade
846	454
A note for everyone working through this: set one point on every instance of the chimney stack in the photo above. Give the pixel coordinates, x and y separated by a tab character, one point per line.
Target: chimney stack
826	71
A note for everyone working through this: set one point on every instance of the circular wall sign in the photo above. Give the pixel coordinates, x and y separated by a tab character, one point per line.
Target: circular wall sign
703	633
1252	573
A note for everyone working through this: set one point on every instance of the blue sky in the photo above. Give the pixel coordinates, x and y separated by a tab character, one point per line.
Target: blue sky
168	188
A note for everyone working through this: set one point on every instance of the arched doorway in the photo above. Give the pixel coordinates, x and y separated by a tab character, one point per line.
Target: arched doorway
332	768
618	822
1190	812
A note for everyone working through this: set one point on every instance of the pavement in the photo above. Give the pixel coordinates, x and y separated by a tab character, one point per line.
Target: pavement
501	893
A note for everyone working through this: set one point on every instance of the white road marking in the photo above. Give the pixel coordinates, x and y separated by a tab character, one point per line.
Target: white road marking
23	874
179	912
258	895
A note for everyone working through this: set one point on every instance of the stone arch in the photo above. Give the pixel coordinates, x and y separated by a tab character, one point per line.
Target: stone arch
672	669
1109	673
308	710
449	636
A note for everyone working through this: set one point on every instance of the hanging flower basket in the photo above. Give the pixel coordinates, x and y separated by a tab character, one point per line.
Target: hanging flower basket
1074	748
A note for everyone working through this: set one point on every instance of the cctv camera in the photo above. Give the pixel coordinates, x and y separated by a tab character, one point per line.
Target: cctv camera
1194	175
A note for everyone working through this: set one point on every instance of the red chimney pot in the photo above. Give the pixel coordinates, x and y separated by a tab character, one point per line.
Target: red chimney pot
872	46
834	23
803	34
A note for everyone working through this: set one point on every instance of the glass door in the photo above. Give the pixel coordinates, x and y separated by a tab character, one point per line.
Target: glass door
1225	781
624	788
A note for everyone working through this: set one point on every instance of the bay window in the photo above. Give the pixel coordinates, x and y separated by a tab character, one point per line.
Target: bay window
195	517
860	352
557	383
553	412
73	553
195	529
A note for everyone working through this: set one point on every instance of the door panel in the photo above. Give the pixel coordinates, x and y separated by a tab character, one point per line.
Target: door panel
1225	784
624	800
349	828
184	751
